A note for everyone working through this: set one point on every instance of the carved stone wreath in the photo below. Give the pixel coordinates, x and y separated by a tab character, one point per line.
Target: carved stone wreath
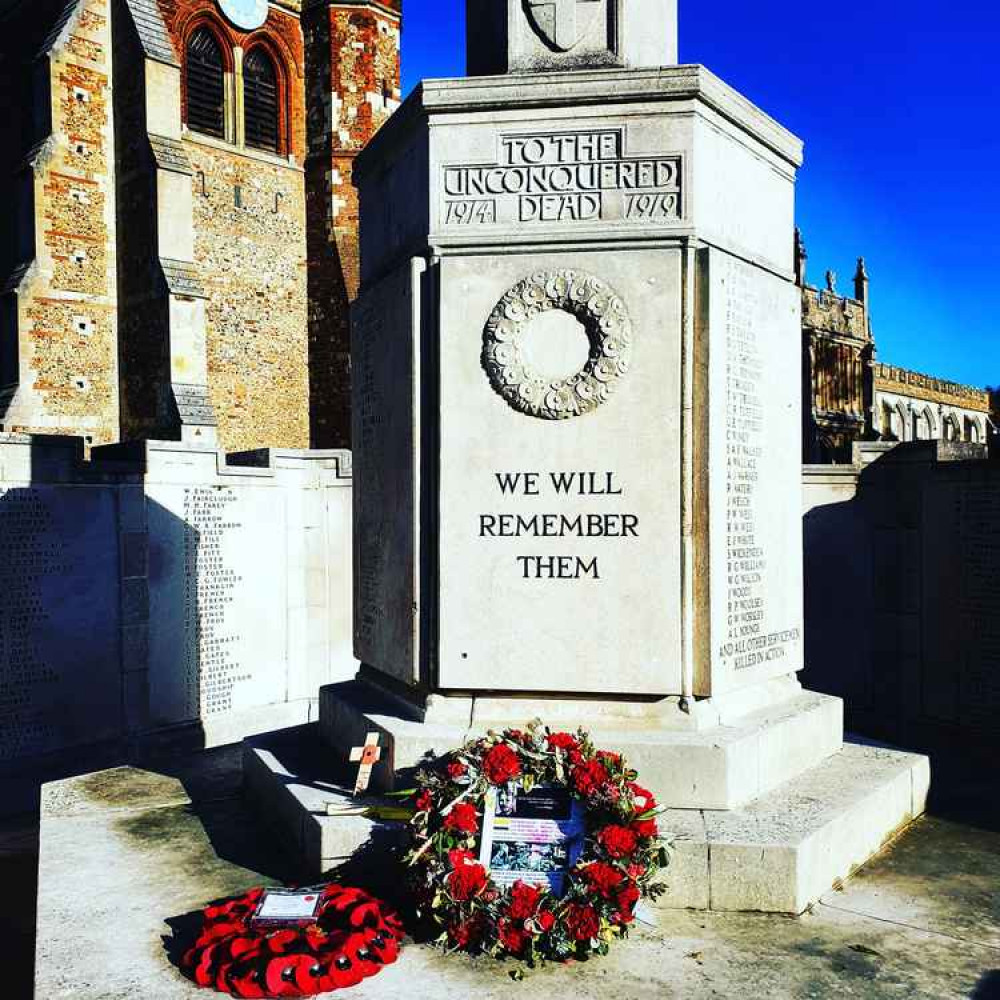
604	317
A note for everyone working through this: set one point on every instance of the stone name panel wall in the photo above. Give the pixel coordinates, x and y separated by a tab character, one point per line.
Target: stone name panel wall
902	572
160	590
753	448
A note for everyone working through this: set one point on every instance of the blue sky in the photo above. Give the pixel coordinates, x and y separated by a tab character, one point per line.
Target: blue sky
897	105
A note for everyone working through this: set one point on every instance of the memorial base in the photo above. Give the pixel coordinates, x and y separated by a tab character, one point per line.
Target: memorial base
778	854
719	767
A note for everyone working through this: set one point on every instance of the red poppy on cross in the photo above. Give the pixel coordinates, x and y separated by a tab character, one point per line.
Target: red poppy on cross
367	756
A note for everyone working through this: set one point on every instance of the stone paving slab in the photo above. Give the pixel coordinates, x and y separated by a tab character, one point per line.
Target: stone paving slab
118	865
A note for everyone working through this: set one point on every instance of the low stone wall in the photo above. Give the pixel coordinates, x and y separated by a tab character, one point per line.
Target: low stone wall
902	592
159	592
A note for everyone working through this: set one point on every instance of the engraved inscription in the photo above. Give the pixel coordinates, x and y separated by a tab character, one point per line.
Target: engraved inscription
747	642
559	487
978	515
213	668
33	552
369	329
564	177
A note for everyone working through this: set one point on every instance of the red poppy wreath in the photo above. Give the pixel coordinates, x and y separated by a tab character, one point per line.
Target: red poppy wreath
533	845
351	938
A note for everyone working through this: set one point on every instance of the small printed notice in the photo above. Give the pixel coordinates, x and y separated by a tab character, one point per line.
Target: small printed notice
287	907
533	837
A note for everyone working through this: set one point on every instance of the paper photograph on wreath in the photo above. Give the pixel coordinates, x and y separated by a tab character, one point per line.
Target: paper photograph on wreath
533	837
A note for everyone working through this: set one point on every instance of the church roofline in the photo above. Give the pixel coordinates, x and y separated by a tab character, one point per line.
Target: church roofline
930	387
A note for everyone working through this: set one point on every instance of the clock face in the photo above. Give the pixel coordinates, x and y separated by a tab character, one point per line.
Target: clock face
246	14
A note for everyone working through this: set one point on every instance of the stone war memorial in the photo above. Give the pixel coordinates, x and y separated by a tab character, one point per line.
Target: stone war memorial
562	646
577	444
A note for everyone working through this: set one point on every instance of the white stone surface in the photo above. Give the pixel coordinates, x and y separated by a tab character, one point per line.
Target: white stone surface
612	623
749	447
784	851
688	460
60	682
678	153
387	553
519	36
298	807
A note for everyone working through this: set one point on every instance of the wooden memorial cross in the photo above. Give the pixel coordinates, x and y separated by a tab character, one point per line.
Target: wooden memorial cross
367	756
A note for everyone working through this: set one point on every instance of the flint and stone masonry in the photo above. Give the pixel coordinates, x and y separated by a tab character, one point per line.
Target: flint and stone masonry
162	277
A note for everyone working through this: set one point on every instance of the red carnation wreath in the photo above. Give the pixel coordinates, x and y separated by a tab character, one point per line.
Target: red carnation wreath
466	889
351	938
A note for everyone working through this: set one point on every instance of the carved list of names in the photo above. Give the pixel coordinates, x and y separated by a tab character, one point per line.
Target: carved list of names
747	642
213	669
33	552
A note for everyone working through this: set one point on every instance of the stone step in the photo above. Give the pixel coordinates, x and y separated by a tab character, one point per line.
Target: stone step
723	767
293	780
778	854
782	852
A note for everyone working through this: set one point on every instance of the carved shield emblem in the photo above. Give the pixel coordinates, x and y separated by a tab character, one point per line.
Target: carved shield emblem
563	23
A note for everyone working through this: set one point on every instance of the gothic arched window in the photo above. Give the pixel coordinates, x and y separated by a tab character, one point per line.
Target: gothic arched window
206	85
261	101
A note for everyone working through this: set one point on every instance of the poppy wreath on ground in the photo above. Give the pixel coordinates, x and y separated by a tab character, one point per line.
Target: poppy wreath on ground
621	856
352	938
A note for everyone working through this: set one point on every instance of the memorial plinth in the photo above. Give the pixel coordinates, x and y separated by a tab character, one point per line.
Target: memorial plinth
577	422
576	433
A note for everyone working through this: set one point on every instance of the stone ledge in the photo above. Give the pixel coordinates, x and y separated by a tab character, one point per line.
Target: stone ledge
719	768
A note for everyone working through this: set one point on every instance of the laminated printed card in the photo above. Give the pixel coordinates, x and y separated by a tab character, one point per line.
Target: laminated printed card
532	836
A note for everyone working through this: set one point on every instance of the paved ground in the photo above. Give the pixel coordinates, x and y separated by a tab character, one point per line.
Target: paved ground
130	856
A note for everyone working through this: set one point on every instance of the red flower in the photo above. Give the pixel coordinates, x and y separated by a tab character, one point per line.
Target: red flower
460	935
545	921
644	800
459	857
562	741
456	769
589	777
425	801
467	933
602	878
582	922
501	765
512	936
466	881
646	828
618	841
627	899
524	900
462	818
607	757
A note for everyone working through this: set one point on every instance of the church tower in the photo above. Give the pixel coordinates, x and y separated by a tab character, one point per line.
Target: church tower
352	86
184	249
